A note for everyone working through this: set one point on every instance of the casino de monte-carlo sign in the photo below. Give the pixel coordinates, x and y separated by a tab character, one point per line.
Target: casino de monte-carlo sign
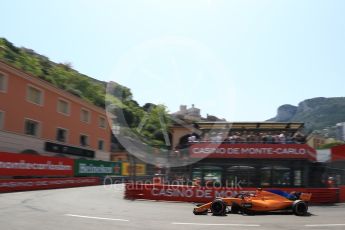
258	151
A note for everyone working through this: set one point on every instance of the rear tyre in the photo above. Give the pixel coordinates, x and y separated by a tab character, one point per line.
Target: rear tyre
218	207
300	208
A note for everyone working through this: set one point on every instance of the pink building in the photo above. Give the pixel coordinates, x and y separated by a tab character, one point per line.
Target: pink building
37	117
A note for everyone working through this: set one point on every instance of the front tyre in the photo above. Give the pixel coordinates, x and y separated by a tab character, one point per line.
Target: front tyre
218	207
300	208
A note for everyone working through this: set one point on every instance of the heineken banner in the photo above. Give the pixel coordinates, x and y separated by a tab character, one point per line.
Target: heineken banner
96	168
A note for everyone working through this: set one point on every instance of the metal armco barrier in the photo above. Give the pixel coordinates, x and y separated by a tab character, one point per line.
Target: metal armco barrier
203	194
15	185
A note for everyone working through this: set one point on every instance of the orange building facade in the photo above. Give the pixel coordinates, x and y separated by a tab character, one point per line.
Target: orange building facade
37	117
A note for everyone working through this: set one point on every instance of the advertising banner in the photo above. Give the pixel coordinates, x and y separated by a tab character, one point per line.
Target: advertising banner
65	149
96	168
207	194
140	169
46	183
214	150
13	164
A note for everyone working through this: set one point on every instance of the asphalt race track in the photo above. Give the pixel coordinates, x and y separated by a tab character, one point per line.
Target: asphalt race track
102	207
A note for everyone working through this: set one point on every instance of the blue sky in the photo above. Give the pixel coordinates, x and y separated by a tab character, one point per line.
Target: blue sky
235	59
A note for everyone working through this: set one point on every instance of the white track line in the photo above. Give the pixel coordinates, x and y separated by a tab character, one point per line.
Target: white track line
206	224
94	217
323	225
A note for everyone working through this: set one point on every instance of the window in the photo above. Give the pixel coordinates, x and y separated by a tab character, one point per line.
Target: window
31	128
266	176
84	140
242	175
85	116
61	135
298	178
35	95
211	176
281	176
100	145
3	83
2	117
275	176
63	107
102	123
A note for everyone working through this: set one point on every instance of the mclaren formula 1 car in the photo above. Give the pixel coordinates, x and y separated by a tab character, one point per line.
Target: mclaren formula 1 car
258	202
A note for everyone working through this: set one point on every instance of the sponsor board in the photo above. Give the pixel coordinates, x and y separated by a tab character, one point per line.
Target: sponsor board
96	168
65	149
140	169
207	194
13	164
46	183
191	192
212	150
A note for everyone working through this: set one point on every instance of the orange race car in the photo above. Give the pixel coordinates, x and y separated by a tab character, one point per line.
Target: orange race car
260	201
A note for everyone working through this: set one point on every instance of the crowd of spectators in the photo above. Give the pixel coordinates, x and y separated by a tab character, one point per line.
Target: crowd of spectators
274	137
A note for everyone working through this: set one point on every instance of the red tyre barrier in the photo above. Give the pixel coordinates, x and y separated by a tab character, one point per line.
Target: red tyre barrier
46	183
204	194
342	194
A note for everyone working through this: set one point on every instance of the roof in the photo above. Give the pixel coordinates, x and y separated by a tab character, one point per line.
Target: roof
291	126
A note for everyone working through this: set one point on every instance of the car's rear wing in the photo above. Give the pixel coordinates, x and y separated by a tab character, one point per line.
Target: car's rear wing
305	196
